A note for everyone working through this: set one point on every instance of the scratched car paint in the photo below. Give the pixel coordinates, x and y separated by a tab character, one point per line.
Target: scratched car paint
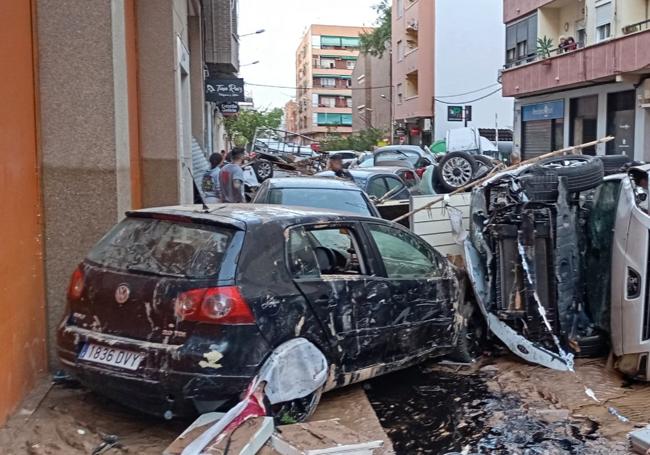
209	295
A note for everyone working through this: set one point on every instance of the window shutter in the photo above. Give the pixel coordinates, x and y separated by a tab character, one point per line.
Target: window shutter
604	14
511	37
522	31
330	41
350	42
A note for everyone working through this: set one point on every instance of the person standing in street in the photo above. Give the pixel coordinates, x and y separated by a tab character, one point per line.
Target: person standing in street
231	177
210	183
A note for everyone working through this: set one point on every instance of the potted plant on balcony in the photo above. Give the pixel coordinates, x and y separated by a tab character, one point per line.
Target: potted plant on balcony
544	48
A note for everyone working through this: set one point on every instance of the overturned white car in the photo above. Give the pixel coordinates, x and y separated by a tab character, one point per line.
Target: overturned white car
558	257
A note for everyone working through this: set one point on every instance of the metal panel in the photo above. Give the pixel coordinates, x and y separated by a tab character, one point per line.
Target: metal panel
537	138
604	14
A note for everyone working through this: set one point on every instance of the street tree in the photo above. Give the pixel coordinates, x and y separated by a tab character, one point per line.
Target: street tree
362	141
377	41
241	128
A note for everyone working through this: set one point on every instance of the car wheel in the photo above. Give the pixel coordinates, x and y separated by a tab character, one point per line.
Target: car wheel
582	172
455	170
612	164
263	170
296	411
484	164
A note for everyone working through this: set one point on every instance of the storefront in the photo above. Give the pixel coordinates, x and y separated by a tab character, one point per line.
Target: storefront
552	121
542	128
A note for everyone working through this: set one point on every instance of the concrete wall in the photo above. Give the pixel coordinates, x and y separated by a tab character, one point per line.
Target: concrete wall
22	307
162	148
371	80
84	154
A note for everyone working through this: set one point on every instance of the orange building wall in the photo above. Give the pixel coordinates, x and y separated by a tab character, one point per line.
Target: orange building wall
22	303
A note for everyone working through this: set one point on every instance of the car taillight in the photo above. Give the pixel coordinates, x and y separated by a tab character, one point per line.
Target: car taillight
222	305
76	287
420	171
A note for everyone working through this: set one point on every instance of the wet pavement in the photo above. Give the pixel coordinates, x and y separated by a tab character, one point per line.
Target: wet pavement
446	411
498	406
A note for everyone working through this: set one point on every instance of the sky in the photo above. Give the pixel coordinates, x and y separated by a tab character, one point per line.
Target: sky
285	22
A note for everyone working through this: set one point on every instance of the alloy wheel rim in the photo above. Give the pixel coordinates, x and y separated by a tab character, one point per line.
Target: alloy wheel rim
457	172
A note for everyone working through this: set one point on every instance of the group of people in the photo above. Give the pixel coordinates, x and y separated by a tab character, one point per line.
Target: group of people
567	44
225	182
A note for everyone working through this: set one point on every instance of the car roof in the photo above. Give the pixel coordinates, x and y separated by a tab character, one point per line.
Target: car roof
400	148
241	216
311	182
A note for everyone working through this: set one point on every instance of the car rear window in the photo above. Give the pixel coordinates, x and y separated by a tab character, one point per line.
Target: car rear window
163	247
321	198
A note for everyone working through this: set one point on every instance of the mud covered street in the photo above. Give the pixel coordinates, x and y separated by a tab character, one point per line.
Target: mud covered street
498	406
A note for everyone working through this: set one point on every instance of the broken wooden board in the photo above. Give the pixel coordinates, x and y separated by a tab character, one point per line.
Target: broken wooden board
247	439
321	438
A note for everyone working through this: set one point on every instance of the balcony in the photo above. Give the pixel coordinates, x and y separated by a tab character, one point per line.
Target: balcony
601	62
514	9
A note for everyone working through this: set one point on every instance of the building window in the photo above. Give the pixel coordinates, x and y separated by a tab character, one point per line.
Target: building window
314	119
348	101
350	64
327	82
327	63
348	83
327	101
400	8
521	39
400	50
400	93
314	100
412	84
604	16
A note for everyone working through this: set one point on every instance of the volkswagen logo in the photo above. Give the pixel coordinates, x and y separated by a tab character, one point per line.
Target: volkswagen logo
122	293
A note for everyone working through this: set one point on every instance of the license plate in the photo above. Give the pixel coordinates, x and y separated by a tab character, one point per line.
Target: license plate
107	355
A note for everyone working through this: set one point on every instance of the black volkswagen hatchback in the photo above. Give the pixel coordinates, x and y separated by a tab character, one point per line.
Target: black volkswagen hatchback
175	309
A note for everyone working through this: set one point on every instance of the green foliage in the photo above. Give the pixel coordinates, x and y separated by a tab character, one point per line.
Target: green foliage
377	41
362	141
241	127
544	46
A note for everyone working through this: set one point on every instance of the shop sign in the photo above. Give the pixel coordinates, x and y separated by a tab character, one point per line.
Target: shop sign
224	90
543	111
228	109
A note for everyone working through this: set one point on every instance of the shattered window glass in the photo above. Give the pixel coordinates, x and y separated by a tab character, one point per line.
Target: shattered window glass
317	252
403	255
163	247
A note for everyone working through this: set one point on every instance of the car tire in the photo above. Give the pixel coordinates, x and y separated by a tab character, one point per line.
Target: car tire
296	411
541	187
582	172
263	170
455	170
484	165
612	164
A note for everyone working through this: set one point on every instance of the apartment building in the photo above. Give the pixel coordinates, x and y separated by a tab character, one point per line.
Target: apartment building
442	57
325	58
291	116
413	44
595	86
371	93
98	116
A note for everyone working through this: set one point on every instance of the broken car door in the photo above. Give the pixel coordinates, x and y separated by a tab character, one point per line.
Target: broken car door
422	288
630	312
330	266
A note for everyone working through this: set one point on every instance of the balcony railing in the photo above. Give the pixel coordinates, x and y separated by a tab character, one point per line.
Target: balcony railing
542	55
638	27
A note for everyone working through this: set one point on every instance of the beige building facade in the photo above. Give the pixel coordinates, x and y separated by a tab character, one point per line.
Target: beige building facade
371	93
325	58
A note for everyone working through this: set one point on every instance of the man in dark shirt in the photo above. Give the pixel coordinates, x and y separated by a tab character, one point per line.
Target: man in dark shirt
335	165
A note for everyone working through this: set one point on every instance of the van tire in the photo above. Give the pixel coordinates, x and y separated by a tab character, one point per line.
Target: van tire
582	172
612	164
263	169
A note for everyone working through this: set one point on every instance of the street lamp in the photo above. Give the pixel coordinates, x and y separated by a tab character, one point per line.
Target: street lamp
256	32
251	63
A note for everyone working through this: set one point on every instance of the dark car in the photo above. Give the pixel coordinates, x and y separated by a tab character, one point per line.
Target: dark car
175	309
313	192
379	181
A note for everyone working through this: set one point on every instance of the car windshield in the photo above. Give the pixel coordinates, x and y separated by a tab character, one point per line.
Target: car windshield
322	198
397	155
163	247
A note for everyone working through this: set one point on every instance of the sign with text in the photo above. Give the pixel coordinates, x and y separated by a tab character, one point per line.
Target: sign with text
543	111
224	90
229	108
454	113
400	132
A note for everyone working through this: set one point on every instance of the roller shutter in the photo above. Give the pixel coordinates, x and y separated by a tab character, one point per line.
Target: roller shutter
538	138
